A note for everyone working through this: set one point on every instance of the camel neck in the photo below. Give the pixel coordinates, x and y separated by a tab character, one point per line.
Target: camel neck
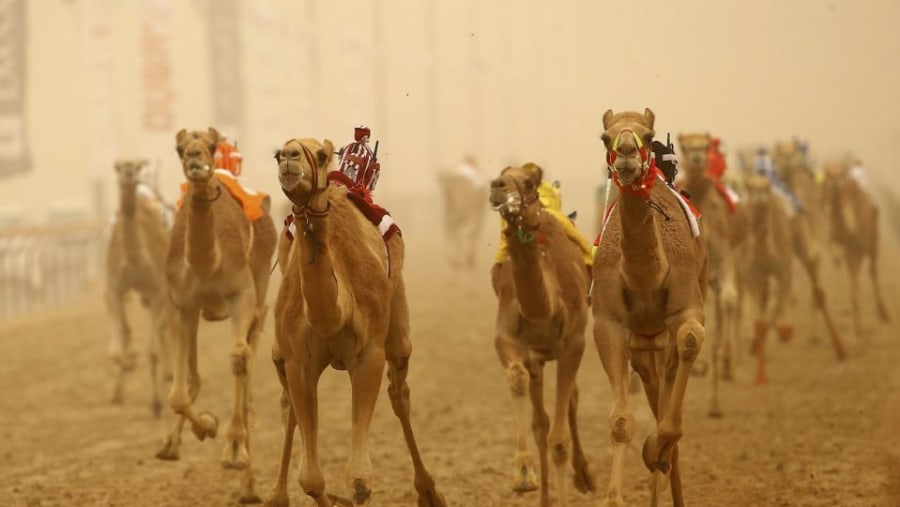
127	201
203	252
528	267
318	276
644	262
697	187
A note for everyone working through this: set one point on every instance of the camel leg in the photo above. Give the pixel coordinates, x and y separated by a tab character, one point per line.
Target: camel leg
560	440
714	409
873	273
644	364
365	379
610	338
585	480
540	425
399	349
512	357
186	385
854	265
156	351
303	382
279	496
119	348
689	336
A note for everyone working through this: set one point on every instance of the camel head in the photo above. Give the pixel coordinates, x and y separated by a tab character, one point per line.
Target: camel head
694	152
836	175
196	149
627	138
514	194
788	156
303	167
128	171
759	197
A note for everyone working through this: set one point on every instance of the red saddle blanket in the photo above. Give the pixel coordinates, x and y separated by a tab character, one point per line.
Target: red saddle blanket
362	199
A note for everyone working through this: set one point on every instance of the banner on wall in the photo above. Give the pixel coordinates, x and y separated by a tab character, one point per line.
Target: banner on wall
14	152
225	53
158	92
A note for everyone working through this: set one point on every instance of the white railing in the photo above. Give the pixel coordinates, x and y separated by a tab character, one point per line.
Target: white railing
49	267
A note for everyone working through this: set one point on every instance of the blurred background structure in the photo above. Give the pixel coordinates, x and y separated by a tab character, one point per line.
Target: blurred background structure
85	81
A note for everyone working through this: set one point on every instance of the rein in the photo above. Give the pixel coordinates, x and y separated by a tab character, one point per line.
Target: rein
522	232
204	199
303	210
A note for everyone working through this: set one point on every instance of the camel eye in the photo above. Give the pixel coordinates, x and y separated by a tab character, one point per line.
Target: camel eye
605	139
295	153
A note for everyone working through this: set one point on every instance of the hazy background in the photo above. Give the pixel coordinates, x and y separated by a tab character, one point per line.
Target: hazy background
507	80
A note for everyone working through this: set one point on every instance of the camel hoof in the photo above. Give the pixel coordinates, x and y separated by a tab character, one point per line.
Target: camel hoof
525	480
156	408
361	492
278	500
235	455
250	498
169	451
209	428
715	413
785	333
431	498
584	479
652	452
338	501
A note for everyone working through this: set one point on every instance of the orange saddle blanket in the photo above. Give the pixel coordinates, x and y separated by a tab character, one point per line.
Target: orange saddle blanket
250	200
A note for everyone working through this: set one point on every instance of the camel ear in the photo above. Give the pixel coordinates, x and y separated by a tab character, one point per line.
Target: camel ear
324	155
648	114
607	118
214	141
142	163
117	166
179	137
681	139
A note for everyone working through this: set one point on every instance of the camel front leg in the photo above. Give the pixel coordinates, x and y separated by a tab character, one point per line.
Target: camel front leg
119	348
512	357
714	410
854	266
660	447
303	380
610	337
158	352
540	425
560	440
279	496
365	380
584	479
883	314
186	385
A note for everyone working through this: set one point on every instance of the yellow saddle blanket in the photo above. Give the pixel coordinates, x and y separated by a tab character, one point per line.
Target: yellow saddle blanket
250	200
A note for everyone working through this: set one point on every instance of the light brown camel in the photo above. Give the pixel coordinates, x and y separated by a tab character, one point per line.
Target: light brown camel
649	291
464	214
218	265
853	227
135	261
342	302
542	314
767	264
723	235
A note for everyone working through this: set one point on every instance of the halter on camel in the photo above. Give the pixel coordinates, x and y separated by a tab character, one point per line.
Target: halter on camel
514	206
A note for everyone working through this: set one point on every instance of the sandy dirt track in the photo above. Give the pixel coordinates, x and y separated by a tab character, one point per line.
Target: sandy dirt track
820	434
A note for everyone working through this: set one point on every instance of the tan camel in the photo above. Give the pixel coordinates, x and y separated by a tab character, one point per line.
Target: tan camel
218	265
853	227
542	314
649	290
135	261
768	262
722	228
342	302
464	214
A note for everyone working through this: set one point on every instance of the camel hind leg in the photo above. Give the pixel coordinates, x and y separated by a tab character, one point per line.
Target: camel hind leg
158	352
559	440
873	272
398	348
119	348
279	496
584	479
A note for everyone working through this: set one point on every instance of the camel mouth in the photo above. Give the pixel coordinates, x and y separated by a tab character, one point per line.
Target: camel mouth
627	175
290	180
511	204
196	171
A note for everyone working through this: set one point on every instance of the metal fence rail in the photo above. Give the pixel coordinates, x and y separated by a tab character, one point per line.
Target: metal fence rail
44	268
